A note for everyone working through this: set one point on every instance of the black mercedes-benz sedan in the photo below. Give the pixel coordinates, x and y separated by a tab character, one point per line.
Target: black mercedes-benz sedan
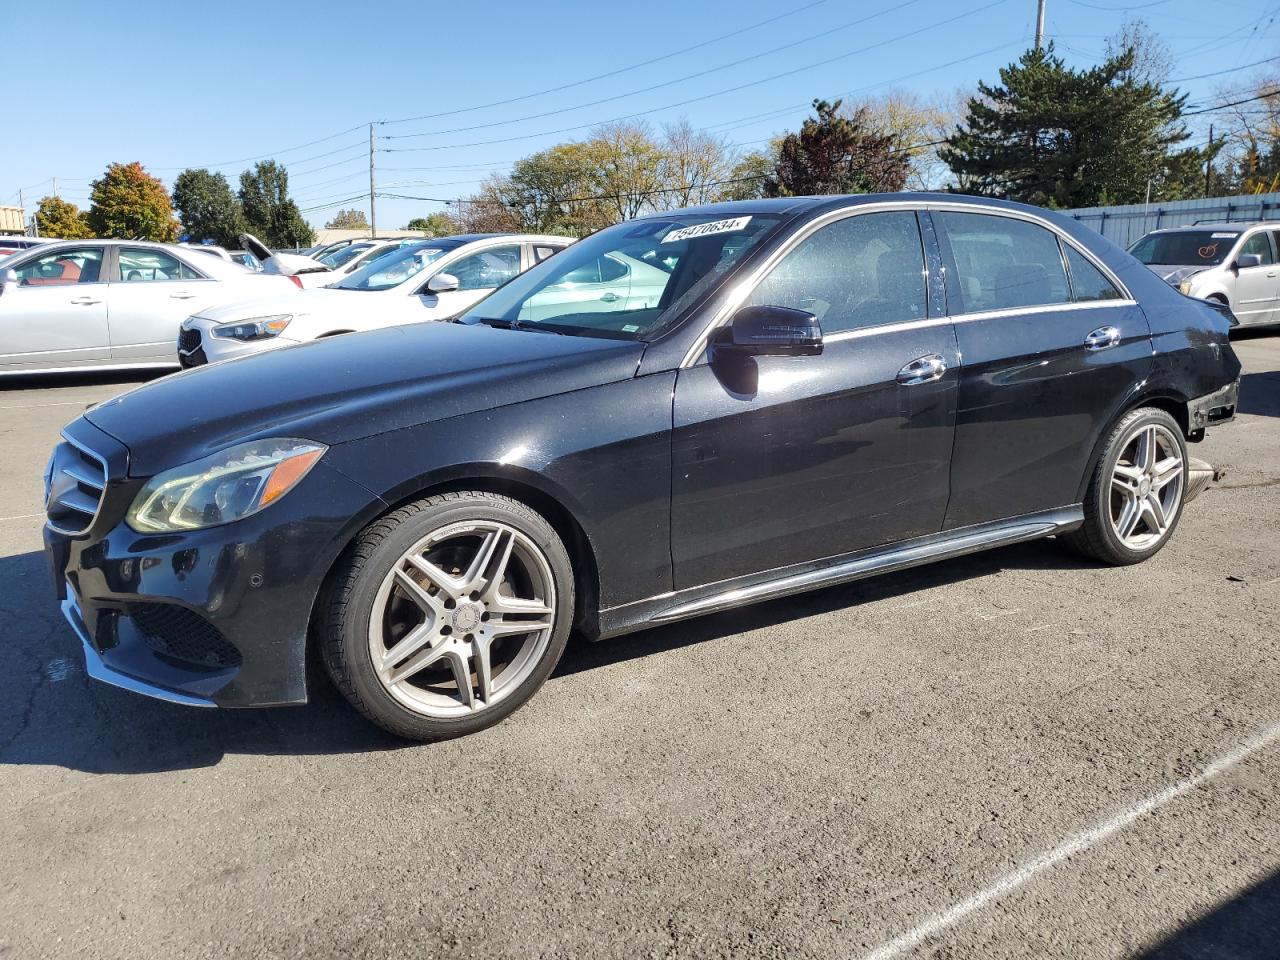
679	414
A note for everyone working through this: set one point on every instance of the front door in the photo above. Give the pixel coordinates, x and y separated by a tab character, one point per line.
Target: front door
56	313
1257	287
1048	360
152	292
779	460
479	274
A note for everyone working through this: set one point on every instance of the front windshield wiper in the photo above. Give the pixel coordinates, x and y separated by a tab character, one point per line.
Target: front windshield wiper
503	324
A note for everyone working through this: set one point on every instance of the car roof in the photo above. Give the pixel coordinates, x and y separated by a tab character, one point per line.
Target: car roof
1236	227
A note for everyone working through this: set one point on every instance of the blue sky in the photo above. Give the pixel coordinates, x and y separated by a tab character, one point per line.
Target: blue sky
185	84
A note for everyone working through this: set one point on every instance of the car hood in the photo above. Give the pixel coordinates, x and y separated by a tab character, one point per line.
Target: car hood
344	388
1173	273
325	301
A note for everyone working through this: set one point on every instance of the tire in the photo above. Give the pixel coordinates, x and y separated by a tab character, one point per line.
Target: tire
470	585
1123	483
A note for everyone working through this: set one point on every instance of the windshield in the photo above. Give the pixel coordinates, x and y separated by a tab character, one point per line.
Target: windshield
627	282
1204	248
396	266
339	257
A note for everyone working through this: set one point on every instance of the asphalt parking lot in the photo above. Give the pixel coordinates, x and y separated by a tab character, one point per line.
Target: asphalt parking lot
1011	755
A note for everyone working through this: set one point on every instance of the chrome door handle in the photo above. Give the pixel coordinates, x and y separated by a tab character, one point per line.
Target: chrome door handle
922	370
1102	338
182	296
85	301
608	297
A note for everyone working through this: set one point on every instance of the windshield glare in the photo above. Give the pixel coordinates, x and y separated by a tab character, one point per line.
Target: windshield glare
626	282
395	267
1205	248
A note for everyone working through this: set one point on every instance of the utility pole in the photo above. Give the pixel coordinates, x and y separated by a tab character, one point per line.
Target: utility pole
373	212
55	186
1208	162
1039	24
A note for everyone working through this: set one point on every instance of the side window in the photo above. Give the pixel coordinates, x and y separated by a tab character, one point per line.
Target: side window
864	270
62	267
486	269
1259	244
1002	262
139	265
1087	281
541	253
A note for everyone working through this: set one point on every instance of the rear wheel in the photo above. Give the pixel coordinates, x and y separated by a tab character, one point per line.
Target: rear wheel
1135	497
449	614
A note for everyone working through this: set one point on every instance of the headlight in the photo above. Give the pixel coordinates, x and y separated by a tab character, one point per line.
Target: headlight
256	328
1185	287
227	486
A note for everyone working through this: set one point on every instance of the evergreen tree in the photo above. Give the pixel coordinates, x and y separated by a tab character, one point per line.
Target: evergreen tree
207	208
837	154
271	215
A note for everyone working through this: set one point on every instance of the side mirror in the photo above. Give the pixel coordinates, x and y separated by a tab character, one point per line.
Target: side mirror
770	332
1248	260
442	283
8	279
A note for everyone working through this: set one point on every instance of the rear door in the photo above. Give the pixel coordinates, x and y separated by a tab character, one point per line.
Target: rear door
1257	287
56	314
151	292
779	460
1049	357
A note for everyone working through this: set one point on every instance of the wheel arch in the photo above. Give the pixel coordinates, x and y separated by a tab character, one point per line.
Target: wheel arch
1162	398
522	485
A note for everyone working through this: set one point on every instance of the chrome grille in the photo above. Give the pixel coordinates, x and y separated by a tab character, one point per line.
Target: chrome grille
74	487
188	340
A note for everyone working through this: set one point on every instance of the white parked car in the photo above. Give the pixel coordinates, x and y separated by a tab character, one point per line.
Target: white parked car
423	280
1233	263
310	272
110	304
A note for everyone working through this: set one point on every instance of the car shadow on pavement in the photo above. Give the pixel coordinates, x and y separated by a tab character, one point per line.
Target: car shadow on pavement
52	714
1260	394
1246	927
89	378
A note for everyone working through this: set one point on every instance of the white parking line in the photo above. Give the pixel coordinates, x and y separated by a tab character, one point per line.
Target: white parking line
1073	845
51	403
24	516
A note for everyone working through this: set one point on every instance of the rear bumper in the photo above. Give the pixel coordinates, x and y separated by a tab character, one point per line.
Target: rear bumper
1214	408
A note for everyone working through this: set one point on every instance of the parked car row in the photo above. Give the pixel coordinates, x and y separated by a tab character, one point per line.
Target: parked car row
677	415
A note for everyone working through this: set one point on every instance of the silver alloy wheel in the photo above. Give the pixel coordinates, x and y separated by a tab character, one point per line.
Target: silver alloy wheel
1146	487
462	618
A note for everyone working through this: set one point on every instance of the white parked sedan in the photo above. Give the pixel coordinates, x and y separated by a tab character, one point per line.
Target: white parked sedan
426	280
110	304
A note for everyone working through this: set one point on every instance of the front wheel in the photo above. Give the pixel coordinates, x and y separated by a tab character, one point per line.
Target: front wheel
448	614
1134	500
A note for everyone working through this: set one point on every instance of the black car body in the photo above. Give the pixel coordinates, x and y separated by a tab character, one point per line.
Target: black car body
683	475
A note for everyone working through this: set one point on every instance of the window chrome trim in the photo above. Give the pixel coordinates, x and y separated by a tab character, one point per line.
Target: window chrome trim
747	285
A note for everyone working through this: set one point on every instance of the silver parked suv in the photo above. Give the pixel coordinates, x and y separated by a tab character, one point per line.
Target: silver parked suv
1233	263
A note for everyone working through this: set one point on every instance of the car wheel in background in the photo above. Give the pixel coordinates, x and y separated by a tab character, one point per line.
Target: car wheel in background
1135	497
448	614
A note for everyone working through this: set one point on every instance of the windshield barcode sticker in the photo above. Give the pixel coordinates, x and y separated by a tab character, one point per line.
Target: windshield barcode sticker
707	229
1222	236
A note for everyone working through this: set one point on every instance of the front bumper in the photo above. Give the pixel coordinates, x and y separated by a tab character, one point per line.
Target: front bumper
214	617
211	349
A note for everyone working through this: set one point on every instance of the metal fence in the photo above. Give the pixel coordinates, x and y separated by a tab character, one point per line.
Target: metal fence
1123	225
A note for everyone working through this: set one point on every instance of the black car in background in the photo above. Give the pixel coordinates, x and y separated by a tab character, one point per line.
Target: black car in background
679	414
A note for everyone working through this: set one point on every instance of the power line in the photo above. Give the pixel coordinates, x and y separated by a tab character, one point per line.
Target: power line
708	96
1218	73
611	73
265	156
894	8
1233	103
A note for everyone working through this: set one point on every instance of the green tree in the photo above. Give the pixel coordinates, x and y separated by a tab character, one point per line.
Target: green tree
56	217
130	204
837	154
348	220
748	176
207	208
271	215
1054	136
438	224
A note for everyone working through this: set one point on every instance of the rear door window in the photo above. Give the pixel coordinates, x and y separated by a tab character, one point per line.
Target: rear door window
140	265
1087	281
1003	263
486	269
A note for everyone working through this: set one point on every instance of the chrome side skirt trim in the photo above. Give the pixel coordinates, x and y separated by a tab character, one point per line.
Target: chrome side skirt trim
97	668
799	578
